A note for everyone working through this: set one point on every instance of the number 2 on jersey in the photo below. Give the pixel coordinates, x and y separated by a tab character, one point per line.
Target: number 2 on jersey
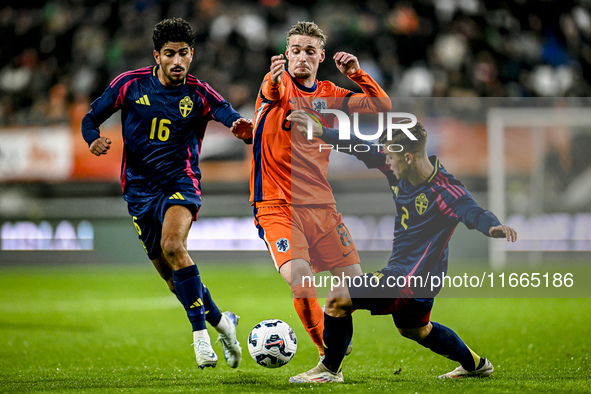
163	131
405	216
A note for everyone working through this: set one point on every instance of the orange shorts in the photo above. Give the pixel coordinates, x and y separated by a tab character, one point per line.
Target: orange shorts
312	233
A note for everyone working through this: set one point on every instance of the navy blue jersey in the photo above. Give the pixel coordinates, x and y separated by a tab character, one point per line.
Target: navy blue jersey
163	128
426	214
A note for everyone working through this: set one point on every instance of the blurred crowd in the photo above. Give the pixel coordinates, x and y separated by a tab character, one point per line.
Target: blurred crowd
57	56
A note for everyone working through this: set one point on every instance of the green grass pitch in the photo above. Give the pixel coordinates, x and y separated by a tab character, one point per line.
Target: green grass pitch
118	329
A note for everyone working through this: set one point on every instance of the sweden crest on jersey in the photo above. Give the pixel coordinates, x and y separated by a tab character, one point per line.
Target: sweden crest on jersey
421	203
185	106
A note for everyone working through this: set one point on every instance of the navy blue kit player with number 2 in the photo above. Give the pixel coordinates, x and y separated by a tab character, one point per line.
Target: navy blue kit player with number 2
164	114
430	202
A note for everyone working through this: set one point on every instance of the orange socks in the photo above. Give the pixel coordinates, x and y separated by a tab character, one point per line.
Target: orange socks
310	312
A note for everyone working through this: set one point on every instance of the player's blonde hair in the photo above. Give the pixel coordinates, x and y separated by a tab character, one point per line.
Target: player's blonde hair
310	29
418	147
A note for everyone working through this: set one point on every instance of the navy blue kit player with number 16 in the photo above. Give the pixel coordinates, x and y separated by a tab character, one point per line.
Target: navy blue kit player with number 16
164	114
430	202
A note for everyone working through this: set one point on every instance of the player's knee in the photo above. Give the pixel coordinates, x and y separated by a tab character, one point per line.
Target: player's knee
172	248
337	307
407	333
304	290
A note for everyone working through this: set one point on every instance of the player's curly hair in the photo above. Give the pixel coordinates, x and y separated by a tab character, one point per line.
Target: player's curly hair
174	30
307	29
399	138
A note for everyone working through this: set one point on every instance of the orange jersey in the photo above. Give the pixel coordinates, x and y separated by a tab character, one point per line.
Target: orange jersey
289	167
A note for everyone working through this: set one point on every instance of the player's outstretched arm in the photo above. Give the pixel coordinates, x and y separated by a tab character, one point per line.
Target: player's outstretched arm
242	128
502	231
301	118
459	200
100	146
372	158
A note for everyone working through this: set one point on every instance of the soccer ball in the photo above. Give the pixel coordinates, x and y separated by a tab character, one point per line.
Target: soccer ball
272	343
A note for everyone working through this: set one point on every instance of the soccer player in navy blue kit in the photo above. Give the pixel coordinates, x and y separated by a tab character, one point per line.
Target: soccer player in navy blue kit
165	112
430	202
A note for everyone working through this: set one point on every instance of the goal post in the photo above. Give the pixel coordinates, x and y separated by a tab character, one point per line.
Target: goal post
540	122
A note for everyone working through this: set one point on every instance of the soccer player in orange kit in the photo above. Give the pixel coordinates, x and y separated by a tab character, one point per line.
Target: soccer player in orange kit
295	211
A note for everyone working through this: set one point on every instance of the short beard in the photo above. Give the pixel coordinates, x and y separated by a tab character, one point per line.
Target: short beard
174	78
302	75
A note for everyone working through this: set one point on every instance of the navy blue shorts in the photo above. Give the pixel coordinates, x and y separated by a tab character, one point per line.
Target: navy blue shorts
381	299
148	212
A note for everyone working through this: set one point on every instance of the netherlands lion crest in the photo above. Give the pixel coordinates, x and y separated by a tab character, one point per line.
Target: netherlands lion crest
282	245
318	104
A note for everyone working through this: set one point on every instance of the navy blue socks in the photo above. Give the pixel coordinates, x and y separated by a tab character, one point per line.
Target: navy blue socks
338	332
212	313
189	289
442	340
